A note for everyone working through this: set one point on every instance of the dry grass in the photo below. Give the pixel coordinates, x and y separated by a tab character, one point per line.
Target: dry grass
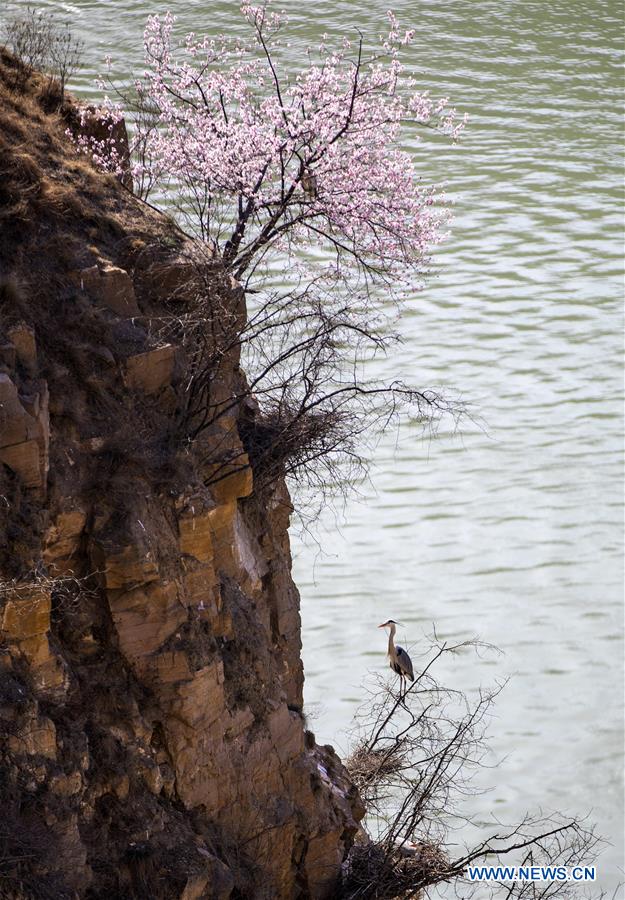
50	192
28	846
32	150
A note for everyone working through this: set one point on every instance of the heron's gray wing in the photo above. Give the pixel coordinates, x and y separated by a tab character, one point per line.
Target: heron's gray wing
404	662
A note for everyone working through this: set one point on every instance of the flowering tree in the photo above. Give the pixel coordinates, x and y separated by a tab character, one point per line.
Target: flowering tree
269	161
302	172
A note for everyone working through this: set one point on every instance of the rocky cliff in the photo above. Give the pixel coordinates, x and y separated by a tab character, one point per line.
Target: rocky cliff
151	732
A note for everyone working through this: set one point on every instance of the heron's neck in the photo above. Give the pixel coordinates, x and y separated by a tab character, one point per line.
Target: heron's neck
391	644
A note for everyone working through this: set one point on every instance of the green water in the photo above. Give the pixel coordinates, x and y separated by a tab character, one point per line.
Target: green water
513	532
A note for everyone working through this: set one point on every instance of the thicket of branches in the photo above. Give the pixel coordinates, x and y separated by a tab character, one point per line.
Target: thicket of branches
43	44
304	409
414	759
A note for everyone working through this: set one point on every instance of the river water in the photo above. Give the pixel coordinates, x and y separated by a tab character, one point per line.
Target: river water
511	531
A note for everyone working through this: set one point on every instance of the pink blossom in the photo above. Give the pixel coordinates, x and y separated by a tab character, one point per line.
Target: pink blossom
266	162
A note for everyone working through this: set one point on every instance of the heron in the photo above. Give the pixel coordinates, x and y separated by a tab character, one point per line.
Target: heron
398	659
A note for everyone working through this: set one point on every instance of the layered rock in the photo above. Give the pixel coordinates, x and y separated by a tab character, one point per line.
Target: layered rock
24	431
150	671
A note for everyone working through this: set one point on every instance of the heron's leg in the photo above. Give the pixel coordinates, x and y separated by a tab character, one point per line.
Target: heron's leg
402	691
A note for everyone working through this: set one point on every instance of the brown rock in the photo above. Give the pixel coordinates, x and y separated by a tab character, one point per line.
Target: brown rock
287	734
99	124
37	405
150	372
16	424
324	855
8	356
93	445
36	738
200	587
25	624
121	568
24	432
237	483
49	676
201	700
197	772
194	524
252	565
240	722
24	460
67	785
62	540
145	617
26	613
71	852
215	881
236	549
181	277
110	286
195	887
121	787
171	667
151	773
222	523
22	337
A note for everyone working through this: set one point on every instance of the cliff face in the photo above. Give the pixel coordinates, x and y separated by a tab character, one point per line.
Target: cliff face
151	732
